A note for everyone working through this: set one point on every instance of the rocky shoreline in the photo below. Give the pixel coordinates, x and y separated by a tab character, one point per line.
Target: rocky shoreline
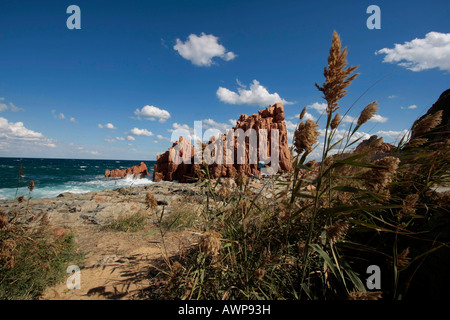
97	207
118	265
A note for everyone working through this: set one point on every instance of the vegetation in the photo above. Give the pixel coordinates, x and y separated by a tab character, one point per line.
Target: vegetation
326	222
32	259
130	222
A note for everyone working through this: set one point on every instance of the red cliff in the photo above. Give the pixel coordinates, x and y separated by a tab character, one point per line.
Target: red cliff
166	167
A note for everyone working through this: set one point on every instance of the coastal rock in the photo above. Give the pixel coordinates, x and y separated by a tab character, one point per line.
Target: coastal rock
177	167
140	171
172	168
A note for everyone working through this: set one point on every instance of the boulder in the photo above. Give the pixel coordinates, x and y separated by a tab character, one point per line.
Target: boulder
137	172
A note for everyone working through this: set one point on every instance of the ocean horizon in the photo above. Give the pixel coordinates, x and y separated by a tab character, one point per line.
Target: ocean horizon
53	176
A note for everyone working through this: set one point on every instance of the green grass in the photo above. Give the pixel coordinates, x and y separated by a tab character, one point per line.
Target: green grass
41	262
129	222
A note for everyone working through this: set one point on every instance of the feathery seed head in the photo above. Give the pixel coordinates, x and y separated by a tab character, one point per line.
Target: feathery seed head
368	112
305	136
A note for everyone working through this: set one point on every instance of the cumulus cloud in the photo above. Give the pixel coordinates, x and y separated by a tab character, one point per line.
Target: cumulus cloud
411	107
141	132
109	140
153	113
106	126
212	124
378	118
306	116
161	137
256	95
15	133
200	50
394	135
290	126
319	107
433	51
130	138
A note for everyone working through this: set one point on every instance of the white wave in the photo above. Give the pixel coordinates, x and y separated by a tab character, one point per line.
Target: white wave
97	184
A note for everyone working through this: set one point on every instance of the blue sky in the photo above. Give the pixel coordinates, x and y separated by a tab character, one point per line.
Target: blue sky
136	70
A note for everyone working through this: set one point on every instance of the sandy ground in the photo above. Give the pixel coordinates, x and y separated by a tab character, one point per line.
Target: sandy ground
119	265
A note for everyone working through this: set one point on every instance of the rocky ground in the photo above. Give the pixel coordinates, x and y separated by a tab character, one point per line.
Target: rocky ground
117	265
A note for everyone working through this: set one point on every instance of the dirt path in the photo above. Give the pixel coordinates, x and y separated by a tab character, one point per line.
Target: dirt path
118	265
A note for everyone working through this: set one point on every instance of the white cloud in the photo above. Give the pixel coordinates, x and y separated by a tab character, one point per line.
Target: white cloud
176	126
393	96
394	135
107	126
153	113
59	116
211	124
349	119
15	134
120	138
14	108
130	138
161	137
378	118
411	107
200	50
290	126
141	132
319	107
257	95
421	54
110	140
306	116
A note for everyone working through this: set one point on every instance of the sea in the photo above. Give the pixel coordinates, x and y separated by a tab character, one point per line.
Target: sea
55	176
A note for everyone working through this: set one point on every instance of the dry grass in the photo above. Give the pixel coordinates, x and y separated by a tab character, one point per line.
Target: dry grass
326	222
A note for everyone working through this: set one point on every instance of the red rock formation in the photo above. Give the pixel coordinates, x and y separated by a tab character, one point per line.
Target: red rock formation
269	118
166	169
140	171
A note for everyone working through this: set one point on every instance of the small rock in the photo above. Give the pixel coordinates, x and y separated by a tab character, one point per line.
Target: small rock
62	233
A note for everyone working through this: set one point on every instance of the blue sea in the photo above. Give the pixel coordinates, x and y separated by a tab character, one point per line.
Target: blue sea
55	176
